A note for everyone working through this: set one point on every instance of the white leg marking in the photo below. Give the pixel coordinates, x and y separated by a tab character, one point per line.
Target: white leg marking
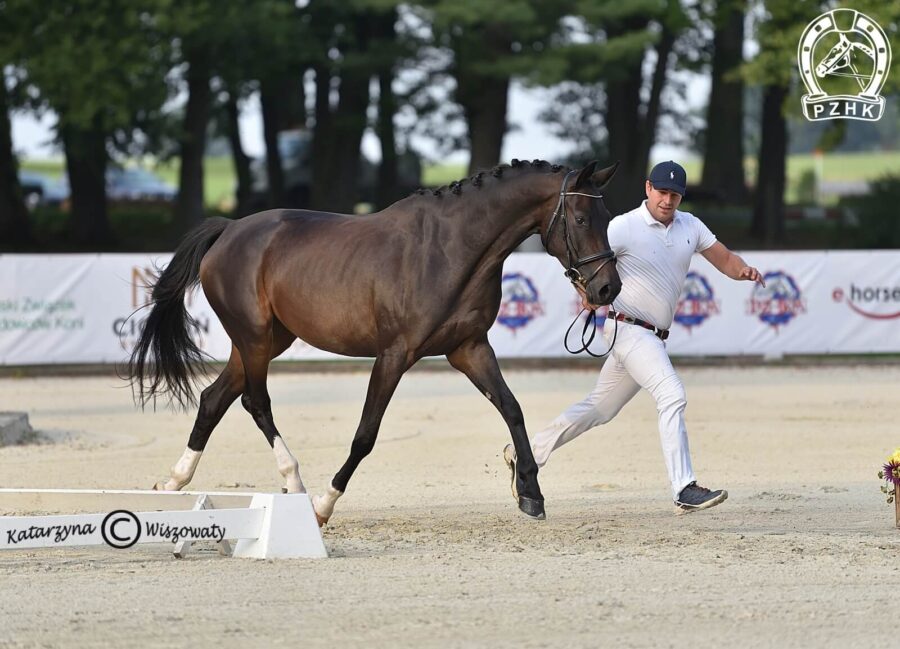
288	467
182	472
324	504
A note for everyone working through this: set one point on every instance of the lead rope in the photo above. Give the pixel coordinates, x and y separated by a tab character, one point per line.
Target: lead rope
590	320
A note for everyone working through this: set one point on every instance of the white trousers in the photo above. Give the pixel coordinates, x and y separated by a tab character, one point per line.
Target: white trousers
638	360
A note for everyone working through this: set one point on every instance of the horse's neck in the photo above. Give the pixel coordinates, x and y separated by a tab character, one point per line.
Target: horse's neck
491	237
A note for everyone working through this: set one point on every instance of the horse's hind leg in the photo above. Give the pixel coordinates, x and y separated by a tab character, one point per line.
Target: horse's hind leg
476	359
386	373
214	401
256	355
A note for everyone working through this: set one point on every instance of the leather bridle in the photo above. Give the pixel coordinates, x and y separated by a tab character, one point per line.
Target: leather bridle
572	273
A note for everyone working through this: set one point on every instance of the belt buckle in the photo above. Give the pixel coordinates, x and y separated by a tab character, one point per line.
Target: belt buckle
628	319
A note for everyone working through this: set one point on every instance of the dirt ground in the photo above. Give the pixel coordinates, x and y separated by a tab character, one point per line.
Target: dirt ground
427	548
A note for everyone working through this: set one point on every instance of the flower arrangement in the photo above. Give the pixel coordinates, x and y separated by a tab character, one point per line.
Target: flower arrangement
890	473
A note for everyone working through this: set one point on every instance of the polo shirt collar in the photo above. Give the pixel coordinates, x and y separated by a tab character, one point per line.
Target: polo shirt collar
648	218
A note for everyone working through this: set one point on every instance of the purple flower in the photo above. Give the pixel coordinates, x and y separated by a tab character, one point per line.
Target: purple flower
892	473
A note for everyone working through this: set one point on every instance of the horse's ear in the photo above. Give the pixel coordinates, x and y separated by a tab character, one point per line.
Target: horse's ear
602	177
585	173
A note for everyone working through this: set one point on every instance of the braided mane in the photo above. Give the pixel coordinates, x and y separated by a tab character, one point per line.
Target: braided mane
476	180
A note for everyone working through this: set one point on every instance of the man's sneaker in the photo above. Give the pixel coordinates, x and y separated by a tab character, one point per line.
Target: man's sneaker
694	497
509	456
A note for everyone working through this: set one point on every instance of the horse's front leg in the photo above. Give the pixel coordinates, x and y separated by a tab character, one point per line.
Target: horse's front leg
386	373
476	359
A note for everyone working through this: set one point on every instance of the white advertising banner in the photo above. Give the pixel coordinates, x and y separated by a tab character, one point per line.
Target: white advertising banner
85	308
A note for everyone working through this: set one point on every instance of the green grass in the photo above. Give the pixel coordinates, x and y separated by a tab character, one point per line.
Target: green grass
218	176
835	166
52	168
435	175
220	181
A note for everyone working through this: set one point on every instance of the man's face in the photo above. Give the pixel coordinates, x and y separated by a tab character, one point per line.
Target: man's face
662	203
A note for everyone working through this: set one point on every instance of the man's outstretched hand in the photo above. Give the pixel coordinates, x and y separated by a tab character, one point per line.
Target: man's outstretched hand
751	274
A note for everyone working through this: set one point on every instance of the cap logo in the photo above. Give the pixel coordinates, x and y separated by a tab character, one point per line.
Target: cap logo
671	175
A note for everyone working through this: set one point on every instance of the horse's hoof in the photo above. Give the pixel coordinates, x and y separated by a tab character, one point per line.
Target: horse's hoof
532	508
321	521
284	490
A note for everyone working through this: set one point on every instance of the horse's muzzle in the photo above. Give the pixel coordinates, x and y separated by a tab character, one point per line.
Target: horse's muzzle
605	294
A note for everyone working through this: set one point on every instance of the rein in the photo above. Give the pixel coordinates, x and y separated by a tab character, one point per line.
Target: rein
574	275
590	320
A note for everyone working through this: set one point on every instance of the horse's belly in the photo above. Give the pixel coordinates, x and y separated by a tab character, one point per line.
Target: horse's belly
335	332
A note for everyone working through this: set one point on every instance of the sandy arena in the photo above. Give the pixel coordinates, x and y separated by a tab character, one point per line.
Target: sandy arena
428	548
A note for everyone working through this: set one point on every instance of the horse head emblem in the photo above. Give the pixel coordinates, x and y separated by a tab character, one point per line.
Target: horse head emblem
843	55
862	52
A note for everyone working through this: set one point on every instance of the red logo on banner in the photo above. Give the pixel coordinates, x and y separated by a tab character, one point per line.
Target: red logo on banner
521	302
874	302
779	302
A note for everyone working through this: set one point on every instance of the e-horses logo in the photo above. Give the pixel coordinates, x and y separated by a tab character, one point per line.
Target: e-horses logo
861	52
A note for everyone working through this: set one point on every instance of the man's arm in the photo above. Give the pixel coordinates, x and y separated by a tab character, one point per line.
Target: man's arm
730	264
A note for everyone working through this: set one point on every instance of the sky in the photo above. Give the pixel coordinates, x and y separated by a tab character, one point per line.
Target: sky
531	139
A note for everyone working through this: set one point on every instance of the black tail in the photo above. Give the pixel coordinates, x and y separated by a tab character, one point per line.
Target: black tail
166	360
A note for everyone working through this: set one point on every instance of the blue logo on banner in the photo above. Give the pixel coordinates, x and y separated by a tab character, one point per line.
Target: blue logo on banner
521	302
779	302
697	303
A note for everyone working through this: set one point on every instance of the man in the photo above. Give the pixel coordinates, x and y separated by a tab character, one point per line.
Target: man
654	244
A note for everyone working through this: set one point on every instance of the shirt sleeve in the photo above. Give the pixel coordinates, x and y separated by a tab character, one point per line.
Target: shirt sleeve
617	234
705	237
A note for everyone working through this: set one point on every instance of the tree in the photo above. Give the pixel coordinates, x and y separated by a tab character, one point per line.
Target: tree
631	121
202	31
723	160
279	66
773	68
14	225
485	52
353	41
610	73
97	64
389	53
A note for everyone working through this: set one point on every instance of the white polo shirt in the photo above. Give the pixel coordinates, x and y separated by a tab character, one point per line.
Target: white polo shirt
653	260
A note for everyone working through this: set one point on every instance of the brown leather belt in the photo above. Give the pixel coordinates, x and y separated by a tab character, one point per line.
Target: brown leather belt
662	334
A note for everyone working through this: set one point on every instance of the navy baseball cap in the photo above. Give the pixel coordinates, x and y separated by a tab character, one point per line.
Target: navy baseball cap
669	175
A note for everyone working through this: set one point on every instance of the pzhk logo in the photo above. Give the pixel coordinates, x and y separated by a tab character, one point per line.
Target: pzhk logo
838	45
697	303
520	303
875	302
778	302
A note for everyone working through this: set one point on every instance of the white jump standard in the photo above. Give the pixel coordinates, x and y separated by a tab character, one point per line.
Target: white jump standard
265	526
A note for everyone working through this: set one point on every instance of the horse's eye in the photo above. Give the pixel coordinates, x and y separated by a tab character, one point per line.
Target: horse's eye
579	220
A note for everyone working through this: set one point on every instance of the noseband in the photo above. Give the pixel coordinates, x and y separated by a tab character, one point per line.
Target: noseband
573	274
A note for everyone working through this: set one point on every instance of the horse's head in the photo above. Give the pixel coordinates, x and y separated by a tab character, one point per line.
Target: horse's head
575	233
834	60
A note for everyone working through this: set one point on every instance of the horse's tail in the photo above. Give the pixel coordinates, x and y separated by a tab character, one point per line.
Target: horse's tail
166	360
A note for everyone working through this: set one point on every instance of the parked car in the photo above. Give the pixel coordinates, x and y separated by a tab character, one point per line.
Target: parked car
38	189
137	185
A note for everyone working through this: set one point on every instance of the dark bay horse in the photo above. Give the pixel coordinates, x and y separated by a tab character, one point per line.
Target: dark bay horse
420	278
